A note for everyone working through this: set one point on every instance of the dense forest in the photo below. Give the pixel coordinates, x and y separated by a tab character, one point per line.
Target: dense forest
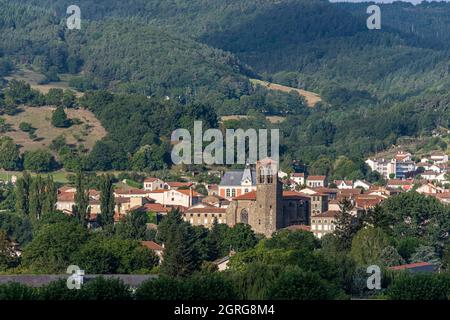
147	64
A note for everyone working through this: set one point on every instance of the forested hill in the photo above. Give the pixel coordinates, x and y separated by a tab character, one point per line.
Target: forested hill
322	45
376	85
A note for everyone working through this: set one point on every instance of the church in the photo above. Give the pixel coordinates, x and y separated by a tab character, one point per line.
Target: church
268	208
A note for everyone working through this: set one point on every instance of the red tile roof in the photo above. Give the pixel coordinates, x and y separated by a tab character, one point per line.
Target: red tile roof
152	245
246	196
298	175
411	265
316	178
176	184
155	207
151	179
130	191
327	214
398	182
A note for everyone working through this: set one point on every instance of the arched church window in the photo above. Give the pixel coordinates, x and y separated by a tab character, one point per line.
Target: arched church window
244	216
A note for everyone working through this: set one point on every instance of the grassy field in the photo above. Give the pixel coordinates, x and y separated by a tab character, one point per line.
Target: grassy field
58	176
310	97
34	78
86	133
271	119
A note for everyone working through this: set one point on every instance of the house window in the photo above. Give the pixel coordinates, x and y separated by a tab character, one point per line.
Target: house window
233	193
246	190
228	193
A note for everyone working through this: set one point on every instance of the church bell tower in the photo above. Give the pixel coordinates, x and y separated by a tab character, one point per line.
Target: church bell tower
269	195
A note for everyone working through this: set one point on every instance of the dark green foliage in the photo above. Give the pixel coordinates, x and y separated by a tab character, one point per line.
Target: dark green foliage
105	289
39	161
346	225
134	226
300	240
53	246
22	194
180	255
420	287
429	219
212	286
103	255
97	289
9	154
107	203
389	257
18	227
296	284
81	209
163	288
42	198
59	118
16	291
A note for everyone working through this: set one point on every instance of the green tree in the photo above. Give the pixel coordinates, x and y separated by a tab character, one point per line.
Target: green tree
419	287
367	246
134	226
162	288
15	291
9	154
180	258
81	209
345	227
425	254
51	196
296	284
59	118
37	196
389	257
107	202
69	99
38	161
22	192
240	237
53	247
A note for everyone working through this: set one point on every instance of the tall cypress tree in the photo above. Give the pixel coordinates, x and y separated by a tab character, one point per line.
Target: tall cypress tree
81	208
107	203
346	225
22	192
50	196
37	196
180	256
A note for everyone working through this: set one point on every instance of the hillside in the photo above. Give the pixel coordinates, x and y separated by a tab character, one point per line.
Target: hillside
87	133
169	63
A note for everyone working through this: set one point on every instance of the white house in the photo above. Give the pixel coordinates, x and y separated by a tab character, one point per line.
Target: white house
343	184
182	197
152	184
298	178
362	184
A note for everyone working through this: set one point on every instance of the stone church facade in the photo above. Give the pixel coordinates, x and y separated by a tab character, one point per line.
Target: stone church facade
269	209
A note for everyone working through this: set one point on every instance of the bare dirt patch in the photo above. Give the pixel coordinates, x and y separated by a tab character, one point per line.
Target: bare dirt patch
311	98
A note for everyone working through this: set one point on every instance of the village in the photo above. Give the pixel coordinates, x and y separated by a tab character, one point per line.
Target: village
275	200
